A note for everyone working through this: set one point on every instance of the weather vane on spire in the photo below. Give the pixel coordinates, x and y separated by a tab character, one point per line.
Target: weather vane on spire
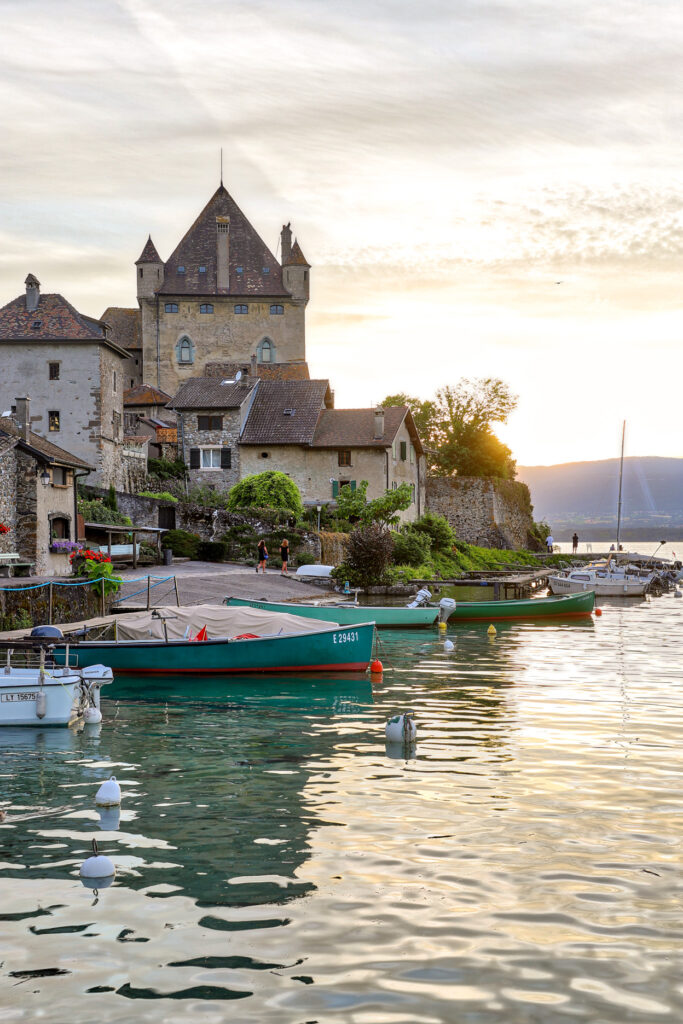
221	165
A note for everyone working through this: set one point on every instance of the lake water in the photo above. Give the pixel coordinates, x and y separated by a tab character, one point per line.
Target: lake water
276	864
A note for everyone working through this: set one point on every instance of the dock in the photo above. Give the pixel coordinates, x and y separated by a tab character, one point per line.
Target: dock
506	583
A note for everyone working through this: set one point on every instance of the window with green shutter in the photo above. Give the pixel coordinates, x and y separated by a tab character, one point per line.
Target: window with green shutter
335	488
404	451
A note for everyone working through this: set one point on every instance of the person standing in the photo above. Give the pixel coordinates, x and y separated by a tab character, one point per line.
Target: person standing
284	555
262	556
575	543
549	541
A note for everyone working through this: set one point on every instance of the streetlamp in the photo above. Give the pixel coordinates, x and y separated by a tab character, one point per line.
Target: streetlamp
45	477
319	508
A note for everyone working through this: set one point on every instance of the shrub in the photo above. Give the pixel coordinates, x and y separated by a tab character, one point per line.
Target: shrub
182	543
437	528
211	551
271	489
306	558
110	500
411	548
204	494
159	495
95	511
368	556
164	468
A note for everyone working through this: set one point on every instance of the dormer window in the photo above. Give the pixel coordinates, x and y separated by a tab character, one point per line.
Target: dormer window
239	270
266	270
37	324
202	270
181	270
288	412
277	310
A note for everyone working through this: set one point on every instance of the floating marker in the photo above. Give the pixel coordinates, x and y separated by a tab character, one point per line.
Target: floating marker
109	794
41	704
598	611
448	645
98	871
401	729
376	667
92	716
491	630
443	627
110	818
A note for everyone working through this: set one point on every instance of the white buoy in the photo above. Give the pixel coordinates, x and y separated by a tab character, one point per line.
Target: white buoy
92	716
401	729
41	704
448	645
109	793
98	871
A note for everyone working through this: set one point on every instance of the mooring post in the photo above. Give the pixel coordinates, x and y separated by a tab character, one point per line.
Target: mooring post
149	587
49	606
177	597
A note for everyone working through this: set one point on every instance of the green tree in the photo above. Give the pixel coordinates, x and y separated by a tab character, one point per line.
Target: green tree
455	427
368	556
266	490
437	528
351	504
385	509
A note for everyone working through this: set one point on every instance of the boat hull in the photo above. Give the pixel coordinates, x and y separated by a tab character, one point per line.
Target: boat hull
384	617
560	585
570	606
336	649
19	699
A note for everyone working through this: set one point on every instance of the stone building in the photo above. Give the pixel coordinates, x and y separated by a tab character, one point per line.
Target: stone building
221	296
125	330
37	495
72	370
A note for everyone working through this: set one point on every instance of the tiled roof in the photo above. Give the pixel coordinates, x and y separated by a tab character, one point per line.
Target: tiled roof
51	452
355	428
55	319
285	411
145	394
125	326
209	393
266	371
167	435
136	438
149	254
261	273
296	257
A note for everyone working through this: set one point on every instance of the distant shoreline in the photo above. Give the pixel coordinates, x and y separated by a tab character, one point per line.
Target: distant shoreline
647	535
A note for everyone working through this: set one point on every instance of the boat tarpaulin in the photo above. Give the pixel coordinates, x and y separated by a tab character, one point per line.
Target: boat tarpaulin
220	621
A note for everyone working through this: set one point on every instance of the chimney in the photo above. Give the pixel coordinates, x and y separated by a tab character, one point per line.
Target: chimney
254	366
285	244
223	253
379	424
22	416
32	293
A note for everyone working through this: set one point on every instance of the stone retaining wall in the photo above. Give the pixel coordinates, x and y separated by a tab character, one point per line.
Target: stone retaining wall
482	510
23	608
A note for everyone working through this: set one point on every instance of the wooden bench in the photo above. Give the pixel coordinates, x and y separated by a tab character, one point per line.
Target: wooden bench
11	564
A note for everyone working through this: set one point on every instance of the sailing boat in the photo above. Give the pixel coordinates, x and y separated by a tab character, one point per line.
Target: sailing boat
606	578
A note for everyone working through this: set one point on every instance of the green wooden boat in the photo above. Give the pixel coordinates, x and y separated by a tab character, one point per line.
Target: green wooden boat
347	614
565	606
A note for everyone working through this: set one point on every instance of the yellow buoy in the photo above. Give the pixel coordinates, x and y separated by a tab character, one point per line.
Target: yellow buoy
491	630
443	627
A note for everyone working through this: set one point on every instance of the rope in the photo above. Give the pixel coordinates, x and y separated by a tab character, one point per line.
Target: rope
90	583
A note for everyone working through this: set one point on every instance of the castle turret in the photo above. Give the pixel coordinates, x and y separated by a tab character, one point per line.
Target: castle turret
295	269
150	271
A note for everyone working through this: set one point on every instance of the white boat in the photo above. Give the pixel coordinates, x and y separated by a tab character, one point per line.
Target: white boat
45	694
604	582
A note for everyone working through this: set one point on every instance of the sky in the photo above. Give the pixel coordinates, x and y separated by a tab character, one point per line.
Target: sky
482	188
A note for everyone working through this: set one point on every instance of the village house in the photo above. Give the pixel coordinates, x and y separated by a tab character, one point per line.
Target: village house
73	373
221	296
37	496
231	429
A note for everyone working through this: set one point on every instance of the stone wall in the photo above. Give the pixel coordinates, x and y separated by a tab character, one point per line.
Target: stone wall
191	437
482	510
333	547
8	497
23	608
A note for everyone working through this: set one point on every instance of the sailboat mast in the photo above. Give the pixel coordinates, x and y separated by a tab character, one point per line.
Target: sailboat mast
621	480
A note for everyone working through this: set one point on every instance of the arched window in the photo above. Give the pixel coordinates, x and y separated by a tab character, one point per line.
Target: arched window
205	307
242	309
170	307
265	351
277	310
185	351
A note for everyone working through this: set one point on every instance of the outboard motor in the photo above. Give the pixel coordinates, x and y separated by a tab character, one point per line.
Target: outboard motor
52	632
446	608
422	598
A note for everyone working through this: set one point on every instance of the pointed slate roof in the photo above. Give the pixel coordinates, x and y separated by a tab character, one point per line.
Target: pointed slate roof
260	273
296	257
149	254
54	319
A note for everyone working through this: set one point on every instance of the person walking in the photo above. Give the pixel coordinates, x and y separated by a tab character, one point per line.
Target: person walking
284	555
262	556
549	541
575	543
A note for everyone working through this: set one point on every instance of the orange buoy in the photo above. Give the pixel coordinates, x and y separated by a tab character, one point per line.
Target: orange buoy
598	611
376	667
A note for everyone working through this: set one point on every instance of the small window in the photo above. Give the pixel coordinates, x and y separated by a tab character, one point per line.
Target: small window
185	350
59	526
171	307
241	309
239	270
202	270
132	383
206	307
209	423
344	458
266	270
264	455
53	419
114	380
54	371
181	270
60	478
412	455
37	324
277	310
404	451
140	271
288	412
210	458
116	425
266	351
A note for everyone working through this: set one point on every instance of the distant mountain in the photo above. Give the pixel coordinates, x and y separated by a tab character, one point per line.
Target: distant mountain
588	491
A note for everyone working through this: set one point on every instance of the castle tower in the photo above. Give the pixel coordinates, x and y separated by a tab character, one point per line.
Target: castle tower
295	268
150	271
